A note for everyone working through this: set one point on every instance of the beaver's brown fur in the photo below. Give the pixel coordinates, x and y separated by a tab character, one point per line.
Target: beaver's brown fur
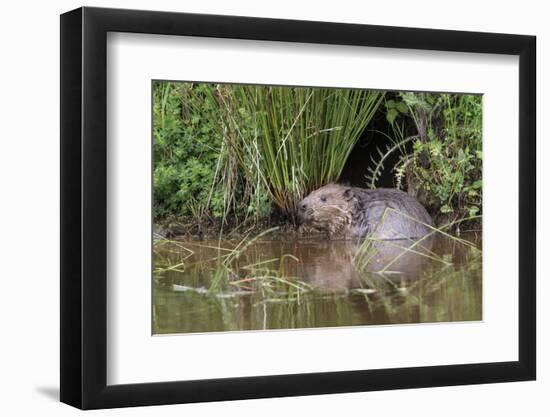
353	212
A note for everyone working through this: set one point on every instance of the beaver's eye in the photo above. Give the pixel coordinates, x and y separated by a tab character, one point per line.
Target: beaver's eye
323	199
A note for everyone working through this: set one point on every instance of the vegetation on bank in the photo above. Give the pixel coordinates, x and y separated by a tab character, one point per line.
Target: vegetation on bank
234	154
441	161
228	156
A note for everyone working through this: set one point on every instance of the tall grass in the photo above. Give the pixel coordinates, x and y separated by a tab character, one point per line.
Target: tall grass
290	141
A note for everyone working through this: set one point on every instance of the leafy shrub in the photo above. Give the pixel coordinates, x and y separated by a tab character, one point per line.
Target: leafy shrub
186	149
442	162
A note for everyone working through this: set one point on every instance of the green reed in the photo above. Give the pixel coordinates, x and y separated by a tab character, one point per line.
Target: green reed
288	141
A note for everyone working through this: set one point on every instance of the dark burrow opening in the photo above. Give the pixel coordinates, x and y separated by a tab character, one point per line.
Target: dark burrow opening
377	135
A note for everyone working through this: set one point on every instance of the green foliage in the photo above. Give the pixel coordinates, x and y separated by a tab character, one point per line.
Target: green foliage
237	151
444	166
233	153
447	166
393	109
290	141
186	149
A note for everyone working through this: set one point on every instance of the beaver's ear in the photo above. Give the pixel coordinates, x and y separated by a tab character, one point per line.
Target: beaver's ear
348	194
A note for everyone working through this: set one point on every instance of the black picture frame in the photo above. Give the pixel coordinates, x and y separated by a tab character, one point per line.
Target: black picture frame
84	207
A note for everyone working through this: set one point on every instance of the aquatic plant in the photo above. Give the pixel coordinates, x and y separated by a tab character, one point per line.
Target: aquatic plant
275	278
439	293
252	297
175	262
370	248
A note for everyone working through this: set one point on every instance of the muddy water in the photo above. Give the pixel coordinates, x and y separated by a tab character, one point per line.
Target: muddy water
212	286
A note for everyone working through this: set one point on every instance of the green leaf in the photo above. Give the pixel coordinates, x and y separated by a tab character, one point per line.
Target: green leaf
402	107
477	184
446	209
391	115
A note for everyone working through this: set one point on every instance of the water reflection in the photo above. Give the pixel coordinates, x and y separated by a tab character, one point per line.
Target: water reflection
437	279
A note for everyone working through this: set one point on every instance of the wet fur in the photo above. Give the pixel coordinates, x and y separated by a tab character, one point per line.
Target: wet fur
356	212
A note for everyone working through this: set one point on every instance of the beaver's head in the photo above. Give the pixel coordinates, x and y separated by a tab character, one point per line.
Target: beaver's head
329	208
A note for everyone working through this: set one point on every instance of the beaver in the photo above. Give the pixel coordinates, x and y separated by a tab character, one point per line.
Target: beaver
353	212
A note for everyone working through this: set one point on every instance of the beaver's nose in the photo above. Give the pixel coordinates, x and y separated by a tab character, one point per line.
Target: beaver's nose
302	206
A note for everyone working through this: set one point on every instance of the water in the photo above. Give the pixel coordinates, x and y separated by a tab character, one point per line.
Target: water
203	286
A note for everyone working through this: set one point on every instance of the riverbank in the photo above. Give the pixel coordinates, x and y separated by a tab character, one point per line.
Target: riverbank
189	228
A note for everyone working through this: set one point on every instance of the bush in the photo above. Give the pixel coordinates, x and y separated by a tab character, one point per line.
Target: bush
186	149
442	162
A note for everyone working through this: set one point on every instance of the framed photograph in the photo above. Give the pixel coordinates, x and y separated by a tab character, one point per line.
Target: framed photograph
256	208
